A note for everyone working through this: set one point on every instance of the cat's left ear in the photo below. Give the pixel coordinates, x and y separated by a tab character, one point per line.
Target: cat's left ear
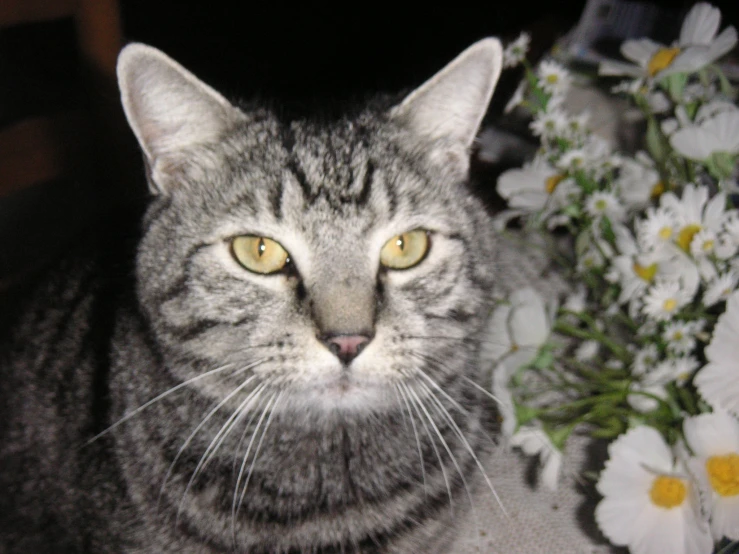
446	111
169	110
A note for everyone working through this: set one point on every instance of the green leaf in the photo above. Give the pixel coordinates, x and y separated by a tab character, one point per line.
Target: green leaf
524	414
675	85
560	435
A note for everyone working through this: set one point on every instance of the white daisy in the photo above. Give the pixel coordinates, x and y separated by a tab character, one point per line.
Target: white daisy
645	359
714	439
651	386
648	501
605	204
703	243
517	98
657	231
680	336
697	47
638	181
516	51
549	124
720	288
716	134
518	329
534	441
718	380
553	77
538	187
665	299
694	212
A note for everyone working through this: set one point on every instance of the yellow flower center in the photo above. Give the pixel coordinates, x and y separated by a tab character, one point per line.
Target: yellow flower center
669	304
601	205
661	60
552	182
552	78
646	273
665	233
668	492
677	335
723	473
708	245
685	236
657	190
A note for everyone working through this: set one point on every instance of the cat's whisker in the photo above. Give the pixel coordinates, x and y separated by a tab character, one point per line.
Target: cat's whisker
156	399
215	444
453	458
445	413
204	421
255	410
415	433
434	384
485	392
262	410
433	445
271	407
400	402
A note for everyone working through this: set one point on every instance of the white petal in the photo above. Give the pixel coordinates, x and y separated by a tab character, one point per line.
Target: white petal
640	50
700	25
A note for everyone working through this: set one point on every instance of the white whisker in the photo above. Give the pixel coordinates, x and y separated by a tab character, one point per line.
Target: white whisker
444	444
415	433
129	415
467	446
433	445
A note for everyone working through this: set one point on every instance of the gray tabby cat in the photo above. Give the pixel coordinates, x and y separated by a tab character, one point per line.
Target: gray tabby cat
296	368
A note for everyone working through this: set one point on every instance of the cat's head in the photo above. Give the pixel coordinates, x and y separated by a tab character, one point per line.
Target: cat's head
344	264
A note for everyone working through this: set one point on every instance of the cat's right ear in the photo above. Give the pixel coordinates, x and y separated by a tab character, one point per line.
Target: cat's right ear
169	110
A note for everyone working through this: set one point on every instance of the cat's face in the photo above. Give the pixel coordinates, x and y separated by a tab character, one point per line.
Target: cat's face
344	265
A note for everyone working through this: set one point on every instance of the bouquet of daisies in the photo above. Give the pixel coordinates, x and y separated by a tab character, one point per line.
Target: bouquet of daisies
645	351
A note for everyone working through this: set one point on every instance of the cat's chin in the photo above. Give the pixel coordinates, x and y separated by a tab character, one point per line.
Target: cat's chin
342	395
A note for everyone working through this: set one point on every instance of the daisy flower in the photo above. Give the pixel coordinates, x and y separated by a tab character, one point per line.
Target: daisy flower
638	181
534	441
714	439
716	134
648	501
697	47
537	187
680	336
657	230
520	328
605	204
720	288
516	51
694	212
549	124
645	358
718	380
553	78
665	299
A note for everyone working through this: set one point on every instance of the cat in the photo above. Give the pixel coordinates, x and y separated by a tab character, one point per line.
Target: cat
294	362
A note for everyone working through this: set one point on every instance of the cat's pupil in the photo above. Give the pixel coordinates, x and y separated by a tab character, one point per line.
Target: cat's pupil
261	247
400	243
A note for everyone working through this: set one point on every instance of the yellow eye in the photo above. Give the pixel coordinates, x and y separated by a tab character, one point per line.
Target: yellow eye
259	254
405	250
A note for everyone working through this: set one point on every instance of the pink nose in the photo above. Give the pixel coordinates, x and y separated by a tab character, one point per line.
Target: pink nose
346	347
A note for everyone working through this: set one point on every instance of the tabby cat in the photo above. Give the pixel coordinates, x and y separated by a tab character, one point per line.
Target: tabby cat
293	362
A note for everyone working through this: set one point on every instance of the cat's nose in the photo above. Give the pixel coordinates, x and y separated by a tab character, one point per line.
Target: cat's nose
346	347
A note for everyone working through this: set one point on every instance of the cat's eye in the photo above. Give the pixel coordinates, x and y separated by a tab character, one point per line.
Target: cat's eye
405	250
259	254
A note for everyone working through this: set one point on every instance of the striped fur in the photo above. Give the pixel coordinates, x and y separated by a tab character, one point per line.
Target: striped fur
259	440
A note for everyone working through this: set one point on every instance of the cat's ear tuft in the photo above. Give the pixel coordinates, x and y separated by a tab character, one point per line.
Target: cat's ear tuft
446	111
168	108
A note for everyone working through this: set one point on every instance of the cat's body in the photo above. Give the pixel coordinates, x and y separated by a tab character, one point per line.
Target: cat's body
329	405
